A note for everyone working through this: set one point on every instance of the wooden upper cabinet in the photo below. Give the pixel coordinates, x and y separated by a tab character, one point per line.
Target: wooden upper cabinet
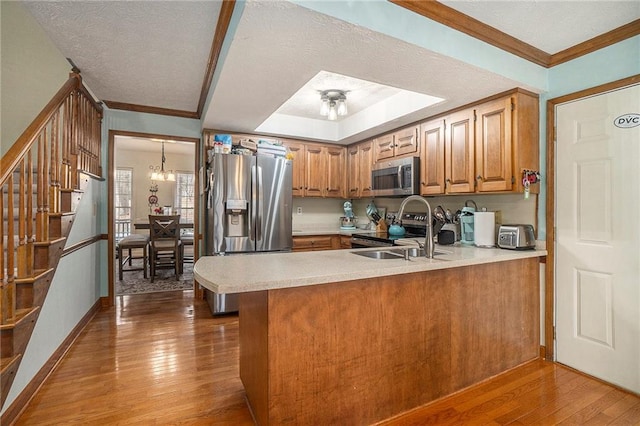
407	141
359	162
399	143
353	171
318	170
336	172
384	146
432	157
365	151
297	149
493	146
315	171
459	152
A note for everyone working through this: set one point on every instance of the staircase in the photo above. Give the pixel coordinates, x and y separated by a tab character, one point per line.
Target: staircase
43	177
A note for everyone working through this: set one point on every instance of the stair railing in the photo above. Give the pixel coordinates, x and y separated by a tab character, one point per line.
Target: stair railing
62	141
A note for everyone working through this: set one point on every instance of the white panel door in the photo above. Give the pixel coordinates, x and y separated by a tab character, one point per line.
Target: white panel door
598	237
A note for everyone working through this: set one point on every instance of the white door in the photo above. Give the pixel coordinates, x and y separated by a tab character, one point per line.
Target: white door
598	237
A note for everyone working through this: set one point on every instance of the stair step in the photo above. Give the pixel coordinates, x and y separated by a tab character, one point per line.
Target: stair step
37	274
15	336
31	291
7	362
22	315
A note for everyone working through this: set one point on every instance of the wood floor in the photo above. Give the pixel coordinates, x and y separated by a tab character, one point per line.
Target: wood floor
162	359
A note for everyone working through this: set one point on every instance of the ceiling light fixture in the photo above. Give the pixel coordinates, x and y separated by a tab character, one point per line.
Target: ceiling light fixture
158	173
334	103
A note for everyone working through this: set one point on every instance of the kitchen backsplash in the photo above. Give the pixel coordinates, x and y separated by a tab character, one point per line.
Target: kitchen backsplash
317	212
326	212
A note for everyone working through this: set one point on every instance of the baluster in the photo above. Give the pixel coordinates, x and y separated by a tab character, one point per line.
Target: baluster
7	296
22	232
54	189
42	219
29	228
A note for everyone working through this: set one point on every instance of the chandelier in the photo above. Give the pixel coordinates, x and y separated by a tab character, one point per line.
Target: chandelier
334	103
158	173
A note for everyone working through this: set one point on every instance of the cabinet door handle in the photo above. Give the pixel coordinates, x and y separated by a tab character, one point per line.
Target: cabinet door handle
478	177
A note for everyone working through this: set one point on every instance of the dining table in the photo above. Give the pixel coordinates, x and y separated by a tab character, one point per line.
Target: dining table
145	225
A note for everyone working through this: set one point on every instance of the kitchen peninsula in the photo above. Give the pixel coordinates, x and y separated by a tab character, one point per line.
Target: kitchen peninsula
331	337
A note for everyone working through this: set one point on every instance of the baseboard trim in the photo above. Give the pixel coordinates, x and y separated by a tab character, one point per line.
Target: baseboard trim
13	412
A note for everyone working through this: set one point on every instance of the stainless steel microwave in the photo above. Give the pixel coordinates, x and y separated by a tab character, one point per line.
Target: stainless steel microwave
396	177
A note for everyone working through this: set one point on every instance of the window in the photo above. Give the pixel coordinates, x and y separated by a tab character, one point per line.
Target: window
185	195
122	201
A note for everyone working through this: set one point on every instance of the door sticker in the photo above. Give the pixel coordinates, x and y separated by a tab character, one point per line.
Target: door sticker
627	121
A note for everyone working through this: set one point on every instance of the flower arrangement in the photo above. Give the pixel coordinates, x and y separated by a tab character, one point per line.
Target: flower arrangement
158	210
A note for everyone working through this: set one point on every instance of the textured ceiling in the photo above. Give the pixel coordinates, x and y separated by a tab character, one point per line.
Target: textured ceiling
551	26
278	47
151	53
155	53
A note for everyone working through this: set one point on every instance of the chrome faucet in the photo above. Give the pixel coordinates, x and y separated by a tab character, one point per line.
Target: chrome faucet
429	246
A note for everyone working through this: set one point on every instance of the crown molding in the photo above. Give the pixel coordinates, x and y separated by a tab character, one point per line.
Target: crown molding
151	109
614	36
224	18
459	21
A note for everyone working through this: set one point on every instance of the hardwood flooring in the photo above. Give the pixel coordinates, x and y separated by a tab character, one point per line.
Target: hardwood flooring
162	359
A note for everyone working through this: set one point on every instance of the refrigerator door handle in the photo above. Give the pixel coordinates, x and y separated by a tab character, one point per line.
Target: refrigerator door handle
254	203
260	204
210	189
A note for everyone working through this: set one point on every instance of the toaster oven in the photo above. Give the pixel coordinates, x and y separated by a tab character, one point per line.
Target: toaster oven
516	237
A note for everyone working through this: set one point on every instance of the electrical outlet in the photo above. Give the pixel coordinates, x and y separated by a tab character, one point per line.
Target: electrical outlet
299	210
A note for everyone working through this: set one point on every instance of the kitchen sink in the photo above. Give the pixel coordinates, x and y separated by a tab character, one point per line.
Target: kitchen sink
380	254
396	253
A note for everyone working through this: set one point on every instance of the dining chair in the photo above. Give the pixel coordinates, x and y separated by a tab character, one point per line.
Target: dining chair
165	247
187	246
129	243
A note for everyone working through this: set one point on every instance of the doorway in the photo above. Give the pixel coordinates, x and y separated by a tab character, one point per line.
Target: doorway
133	195
597	236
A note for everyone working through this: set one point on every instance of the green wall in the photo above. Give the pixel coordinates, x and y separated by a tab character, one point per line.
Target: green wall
32	71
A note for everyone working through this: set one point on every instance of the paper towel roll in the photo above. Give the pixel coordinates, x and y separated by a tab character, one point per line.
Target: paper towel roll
484	229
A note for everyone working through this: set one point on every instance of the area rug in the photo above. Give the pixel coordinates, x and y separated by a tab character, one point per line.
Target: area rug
165	280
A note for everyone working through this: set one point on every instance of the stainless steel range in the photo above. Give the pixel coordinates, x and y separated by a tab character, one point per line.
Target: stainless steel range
413	223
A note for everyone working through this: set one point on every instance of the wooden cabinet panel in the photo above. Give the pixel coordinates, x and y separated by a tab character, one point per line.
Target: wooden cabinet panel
336	173
401	142
315	171
493	146
366	162
353	171
318	170
318	242
432	157
297	149
345	242
384	147
459	152
359	162
407	140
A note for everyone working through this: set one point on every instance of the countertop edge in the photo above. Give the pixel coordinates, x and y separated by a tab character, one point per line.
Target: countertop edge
273	273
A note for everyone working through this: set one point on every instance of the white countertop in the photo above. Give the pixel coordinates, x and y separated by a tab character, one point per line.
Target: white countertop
269	271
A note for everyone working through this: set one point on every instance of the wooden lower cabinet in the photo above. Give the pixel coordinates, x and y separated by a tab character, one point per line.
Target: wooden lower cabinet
359	352
319	242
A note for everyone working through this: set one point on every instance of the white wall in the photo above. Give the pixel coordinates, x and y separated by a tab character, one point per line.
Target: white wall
139	162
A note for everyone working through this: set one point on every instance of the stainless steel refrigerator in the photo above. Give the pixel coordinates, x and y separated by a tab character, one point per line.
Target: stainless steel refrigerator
248	210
